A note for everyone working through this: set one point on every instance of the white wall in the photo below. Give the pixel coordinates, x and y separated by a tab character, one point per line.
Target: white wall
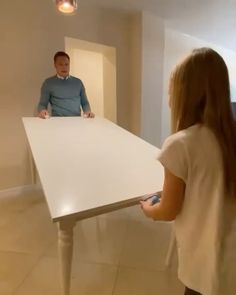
152	77
177	46
136	84
110	86
29	40
88	66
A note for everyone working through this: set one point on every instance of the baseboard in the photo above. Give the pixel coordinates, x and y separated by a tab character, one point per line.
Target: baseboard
15	191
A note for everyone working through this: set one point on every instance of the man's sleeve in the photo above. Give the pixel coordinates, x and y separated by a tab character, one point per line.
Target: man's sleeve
44	97
84	100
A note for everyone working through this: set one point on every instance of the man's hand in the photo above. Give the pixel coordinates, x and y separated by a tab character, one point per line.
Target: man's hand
44	114
89	115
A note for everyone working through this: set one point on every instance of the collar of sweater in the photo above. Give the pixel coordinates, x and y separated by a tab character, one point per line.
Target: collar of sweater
63	78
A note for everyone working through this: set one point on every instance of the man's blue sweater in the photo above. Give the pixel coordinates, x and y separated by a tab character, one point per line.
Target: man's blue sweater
66	96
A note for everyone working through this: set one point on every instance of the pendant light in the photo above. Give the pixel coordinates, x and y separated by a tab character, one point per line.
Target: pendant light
66	6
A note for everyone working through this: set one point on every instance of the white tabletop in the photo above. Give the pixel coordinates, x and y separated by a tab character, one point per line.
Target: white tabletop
90	166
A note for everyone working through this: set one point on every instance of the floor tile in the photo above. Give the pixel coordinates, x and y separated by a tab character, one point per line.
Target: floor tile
146	245
87	279
138	282
14	267
29	230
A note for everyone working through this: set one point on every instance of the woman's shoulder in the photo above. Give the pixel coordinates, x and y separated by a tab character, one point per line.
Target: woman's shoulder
197	132
183	135
194	138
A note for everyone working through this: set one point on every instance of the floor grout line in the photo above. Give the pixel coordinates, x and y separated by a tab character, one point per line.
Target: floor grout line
130	219
120	257
32	268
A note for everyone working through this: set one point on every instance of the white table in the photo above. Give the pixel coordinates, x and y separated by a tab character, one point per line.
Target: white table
88	167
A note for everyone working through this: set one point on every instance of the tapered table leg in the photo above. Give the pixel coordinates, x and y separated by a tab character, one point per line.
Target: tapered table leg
65	247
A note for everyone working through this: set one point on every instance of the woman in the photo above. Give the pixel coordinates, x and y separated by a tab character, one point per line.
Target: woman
199	159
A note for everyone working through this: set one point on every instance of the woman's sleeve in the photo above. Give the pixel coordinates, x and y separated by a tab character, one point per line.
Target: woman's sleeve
174	157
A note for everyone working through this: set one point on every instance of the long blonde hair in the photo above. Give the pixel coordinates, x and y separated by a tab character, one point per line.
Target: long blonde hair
200	93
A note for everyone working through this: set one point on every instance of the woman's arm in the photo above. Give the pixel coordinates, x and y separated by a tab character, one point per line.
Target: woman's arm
172	198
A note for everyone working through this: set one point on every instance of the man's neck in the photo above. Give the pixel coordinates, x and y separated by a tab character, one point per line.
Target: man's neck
63	78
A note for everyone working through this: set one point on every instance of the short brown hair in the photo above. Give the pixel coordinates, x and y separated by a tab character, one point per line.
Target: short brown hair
60	53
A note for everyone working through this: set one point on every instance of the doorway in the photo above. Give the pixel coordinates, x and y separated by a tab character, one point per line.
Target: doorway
95	65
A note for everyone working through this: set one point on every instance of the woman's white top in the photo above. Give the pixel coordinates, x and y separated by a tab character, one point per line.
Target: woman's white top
206	254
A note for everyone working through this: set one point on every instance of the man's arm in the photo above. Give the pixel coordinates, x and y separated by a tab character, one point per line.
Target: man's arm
85	103
84	100
44	100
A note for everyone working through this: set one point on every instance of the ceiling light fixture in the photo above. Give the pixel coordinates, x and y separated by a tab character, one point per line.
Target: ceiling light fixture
66	6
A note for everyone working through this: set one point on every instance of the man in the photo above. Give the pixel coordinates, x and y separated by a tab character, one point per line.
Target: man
65	93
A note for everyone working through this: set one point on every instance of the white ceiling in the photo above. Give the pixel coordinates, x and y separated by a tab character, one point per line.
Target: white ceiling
210	20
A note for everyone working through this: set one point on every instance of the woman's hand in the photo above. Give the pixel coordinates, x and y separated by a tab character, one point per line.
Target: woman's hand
147	207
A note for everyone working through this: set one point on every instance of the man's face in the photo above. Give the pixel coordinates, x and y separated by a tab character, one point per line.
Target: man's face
62	66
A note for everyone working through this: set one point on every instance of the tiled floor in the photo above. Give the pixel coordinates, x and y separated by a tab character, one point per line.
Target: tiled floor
120	253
